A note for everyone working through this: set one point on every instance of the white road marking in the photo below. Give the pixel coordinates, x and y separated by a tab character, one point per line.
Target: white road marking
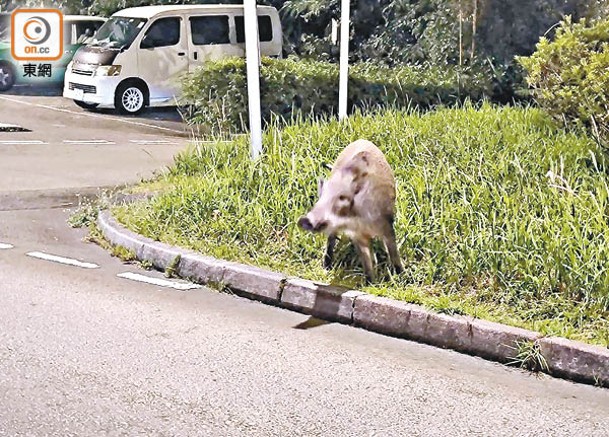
88	114
6	246
62	260
17	142
88	142
157	281
151	142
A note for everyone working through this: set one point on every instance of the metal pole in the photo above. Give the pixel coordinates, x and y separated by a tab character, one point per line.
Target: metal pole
344	59
252	60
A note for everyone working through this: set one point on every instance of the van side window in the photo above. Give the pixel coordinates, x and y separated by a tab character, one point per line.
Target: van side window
265	28
210	29
162	33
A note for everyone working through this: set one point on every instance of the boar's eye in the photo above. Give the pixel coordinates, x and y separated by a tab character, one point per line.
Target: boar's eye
343	206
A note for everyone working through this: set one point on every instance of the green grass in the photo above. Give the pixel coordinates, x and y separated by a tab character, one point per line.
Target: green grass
528	356
501	214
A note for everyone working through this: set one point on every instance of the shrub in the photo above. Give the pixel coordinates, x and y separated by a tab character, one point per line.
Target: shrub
291	88
569	76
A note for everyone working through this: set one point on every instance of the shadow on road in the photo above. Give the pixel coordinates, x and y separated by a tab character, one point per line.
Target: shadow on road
311	322
169	113
35	90
54	91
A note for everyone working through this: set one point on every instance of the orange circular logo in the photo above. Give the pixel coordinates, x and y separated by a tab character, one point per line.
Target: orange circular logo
36	30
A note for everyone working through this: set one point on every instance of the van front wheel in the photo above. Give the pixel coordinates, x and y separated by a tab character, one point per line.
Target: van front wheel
130	99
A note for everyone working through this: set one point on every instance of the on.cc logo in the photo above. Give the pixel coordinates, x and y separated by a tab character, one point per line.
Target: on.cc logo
37	34
36	30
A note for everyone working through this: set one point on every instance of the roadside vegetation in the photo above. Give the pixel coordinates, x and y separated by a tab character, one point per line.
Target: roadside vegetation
501	212
569	75
293	89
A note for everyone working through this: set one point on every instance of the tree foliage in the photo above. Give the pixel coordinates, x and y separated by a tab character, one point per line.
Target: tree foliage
570	75
395	32
440	31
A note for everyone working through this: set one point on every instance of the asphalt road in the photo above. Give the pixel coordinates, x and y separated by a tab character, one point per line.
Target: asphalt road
91	149
85	352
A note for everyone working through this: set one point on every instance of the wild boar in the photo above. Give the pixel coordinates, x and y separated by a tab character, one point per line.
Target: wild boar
357	200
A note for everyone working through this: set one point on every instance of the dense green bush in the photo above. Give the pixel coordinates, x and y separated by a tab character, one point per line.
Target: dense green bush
500	213
291	88
569	76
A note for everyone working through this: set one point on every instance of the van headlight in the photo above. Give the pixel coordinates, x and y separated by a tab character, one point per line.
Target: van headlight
108	70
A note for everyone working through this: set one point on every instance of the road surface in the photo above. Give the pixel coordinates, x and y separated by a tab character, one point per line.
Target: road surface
89	149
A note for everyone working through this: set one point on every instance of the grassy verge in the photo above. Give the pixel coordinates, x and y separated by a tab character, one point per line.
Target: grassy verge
501	214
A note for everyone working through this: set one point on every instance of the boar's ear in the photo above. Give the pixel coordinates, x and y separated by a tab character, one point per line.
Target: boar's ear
358	165
320	186
361	159
358	183
358	177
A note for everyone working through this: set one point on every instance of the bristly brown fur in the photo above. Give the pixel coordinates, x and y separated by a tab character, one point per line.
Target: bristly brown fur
357	200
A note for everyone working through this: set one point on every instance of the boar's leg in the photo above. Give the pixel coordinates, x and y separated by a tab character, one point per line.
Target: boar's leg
394	255
392	248
329	255
365	256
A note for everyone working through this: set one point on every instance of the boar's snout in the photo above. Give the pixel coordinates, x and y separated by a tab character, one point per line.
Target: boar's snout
305	223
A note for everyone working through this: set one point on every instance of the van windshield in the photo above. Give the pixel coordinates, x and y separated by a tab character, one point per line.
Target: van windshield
117	32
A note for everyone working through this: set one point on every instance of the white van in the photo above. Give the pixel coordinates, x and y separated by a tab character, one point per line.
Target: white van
77	30
137	57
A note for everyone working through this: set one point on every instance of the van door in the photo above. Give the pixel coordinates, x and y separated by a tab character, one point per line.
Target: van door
210	38
162	58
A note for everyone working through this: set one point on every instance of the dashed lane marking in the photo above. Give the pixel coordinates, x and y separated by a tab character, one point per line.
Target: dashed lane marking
18	142
88	142
6	246
62	260
184	286
152	142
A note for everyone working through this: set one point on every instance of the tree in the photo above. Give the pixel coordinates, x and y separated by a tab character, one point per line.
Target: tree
397	31
439	31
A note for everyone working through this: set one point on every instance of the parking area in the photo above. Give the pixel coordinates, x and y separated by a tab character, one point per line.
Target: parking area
49	143
51	97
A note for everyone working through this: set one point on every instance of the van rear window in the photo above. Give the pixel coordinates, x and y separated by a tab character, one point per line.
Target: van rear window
209	29
265	28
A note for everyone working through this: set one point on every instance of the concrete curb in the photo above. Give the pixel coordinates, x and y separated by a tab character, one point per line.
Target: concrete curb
564	358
